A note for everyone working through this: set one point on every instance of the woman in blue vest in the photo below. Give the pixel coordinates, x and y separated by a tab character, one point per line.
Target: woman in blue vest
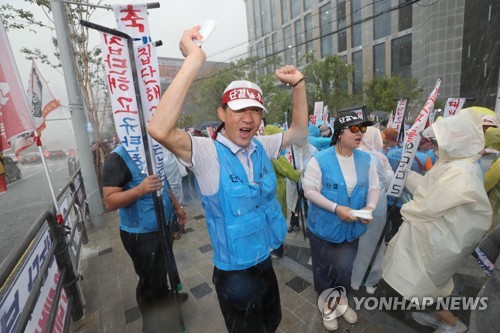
338	182
237	186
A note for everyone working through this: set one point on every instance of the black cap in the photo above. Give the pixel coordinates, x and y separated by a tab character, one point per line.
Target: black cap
349	119
345	120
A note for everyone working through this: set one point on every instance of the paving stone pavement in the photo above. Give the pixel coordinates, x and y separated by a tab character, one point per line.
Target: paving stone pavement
109	283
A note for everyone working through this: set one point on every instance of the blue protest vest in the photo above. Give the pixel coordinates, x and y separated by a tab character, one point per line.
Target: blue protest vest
325	224
140	216
244	220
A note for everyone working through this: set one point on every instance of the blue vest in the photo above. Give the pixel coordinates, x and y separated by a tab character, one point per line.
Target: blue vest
244	220
140	216
325	224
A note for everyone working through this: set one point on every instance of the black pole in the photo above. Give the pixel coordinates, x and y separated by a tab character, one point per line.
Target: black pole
165	234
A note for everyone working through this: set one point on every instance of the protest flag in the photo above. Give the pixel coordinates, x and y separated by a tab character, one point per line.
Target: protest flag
14	111
42	102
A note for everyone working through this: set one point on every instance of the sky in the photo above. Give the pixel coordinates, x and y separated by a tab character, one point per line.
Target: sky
226	43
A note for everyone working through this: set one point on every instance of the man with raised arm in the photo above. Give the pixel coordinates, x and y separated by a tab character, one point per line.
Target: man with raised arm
236	185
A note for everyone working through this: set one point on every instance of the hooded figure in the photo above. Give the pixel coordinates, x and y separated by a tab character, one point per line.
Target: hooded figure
447	217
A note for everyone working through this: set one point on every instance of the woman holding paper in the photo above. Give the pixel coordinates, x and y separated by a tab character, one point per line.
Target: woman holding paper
342	186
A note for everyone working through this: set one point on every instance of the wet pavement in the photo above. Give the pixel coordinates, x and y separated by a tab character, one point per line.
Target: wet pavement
109	283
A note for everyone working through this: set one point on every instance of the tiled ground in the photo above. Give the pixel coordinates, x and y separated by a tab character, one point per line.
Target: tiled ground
109	286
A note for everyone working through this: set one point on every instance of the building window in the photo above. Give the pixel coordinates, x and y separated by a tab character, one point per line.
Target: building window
342	40
381	22
265	18
357	82
296	8
274	41
307	4
345	85
356	22
287	44
379	60
299	41
325	27
285	11
272	8
405	15
260	55
401	56
256	15
341	14
308	24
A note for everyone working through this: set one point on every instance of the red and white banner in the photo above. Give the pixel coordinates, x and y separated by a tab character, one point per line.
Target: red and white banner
41	102
133	20
318	110
397	120
14	110
412	140
453	105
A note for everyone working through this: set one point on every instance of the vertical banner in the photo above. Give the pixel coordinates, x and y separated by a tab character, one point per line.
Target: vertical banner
453	105
397	120
318	112
412	140
123	99
133	20
14	110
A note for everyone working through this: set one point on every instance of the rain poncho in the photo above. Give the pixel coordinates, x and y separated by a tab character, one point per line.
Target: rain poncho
447	217
372	144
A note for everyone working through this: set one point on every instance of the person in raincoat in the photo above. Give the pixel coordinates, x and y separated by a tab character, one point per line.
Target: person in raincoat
446	218
283	170
373	145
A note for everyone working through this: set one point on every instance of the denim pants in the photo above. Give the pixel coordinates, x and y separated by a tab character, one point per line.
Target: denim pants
332	263
249	299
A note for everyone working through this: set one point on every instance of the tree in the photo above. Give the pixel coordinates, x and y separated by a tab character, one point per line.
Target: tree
381	93
89	68
327	81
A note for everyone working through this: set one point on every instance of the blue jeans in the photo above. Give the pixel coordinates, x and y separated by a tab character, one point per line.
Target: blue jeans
332	263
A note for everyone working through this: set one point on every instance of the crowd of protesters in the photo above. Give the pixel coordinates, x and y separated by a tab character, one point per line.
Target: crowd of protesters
337	179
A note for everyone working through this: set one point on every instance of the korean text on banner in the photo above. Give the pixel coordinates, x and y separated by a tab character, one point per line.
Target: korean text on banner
453	105
412	140
16	296
14	110
397	120
123	99
133	20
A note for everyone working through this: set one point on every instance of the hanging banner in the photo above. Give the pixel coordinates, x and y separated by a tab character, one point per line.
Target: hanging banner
123	99
412	140
399	115
453	105
133	20
14	109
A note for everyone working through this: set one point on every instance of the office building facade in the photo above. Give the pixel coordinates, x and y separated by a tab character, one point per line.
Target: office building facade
421	39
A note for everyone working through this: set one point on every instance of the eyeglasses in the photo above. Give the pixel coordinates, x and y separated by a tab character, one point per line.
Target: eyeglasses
356	128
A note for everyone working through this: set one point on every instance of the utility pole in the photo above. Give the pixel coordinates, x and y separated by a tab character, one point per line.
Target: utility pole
77	110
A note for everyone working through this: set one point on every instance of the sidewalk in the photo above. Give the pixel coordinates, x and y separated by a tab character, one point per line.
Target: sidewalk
109	283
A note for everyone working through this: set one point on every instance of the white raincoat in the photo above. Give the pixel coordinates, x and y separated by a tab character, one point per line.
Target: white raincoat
447	217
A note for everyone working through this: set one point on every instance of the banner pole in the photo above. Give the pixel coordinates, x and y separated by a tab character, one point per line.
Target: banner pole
165	233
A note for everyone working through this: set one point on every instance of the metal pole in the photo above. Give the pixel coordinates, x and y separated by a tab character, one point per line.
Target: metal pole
77	110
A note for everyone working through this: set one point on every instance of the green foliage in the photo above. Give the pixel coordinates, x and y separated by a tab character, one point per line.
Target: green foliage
381	93
327	81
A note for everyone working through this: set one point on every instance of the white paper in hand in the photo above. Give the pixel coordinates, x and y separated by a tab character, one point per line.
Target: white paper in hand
363	214
207	27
